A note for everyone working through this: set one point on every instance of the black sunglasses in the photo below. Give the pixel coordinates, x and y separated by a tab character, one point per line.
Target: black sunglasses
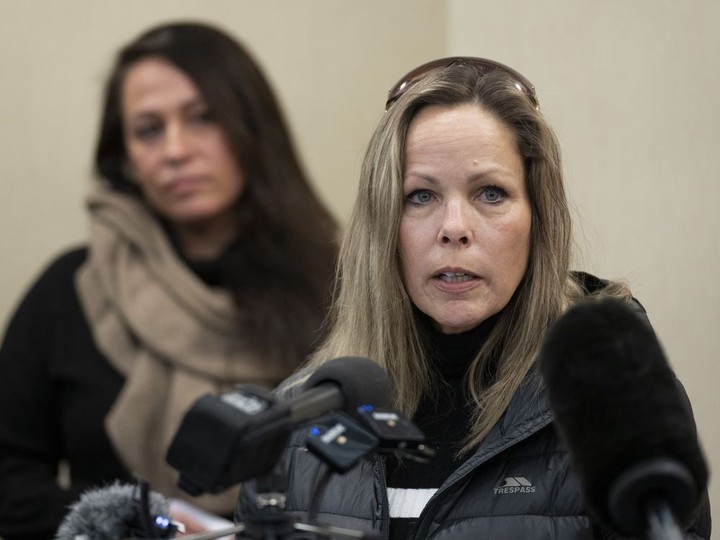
482	64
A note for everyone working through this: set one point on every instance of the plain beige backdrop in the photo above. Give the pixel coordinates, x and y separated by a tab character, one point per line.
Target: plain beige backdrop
630	86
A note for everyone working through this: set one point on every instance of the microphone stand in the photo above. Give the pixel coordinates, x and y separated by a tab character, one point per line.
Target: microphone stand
662	524
653	497
271	522
264	516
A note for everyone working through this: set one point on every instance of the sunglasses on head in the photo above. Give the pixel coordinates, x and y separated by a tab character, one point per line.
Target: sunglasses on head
484	65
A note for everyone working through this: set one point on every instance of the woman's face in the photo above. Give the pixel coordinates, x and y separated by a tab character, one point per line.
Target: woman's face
465	230
179	155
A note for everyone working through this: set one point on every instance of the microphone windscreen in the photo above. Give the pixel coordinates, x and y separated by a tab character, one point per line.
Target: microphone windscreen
616	400
362	381
108	513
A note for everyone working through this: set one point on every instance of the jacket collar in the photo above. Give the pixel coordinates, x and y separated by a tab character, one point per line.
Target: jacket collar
527	413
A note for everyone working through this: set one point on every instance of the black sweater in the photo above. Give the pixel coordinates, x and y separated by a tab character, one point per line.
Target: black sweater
444	418
55	390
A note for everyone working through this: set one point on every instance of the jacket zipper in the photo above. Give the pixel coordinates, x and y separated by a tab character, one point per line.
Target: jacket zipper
429	510
385	518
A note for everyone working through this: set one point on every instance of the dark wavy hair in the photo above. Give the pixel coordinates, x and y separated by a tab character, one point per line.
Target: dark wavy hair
281	267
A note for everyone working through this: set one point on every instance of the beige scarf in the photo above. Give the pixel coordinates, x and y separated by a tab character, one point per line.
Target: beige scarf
171	336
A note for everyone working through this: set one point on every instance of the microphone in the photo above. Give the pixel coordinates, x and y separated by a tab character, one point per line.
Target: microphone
127	512
226	440
627	423
340	441
346	384
115	512
396	433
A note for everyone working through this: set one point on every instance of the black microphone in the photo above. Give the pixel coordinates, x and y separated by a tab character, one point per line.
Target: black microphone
115	512
226	440
625	419
346	384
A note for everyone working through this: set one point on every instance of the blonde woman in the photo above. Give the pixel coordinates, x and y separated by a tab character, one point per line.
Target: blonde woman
455	262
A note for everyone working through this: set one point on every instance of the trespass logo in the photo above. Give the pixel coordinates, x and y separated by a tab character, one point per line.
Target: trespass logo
514	484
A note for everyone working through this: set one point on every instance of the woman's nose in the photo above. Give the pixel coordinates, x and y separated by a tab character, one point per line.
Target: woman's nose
455	229
177	143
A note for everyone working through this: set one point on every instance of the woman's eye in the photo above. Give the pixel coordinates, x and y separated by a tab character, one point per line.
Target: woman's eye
419	196
493	194
147	131
202	117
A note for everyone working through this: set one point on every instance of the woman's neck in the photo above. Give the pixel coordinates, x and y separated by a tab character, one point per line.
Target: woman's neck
205	241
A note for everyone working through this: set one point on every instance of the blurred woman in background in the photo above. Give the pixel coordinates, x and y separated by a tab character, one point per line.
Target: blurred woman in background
209	264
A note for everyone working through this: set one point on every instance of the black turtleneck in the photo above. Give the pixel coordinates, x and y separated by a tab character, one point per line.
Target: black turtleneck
443	416
212	272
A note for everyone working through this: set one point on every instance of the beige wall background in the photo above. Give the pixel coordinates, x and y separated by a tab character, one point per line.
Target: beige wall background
629	85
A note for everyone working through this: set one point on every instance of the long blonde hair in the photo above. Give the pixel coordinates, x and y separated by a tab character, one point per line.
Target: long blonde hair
373	315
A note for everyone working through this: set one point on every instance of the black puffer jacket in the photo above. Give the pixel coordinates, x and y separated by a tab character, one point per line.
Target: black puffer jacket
517	485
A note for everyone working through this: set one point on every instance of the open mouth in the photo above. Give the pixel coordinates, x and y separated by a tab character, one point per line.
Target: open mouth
455	277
